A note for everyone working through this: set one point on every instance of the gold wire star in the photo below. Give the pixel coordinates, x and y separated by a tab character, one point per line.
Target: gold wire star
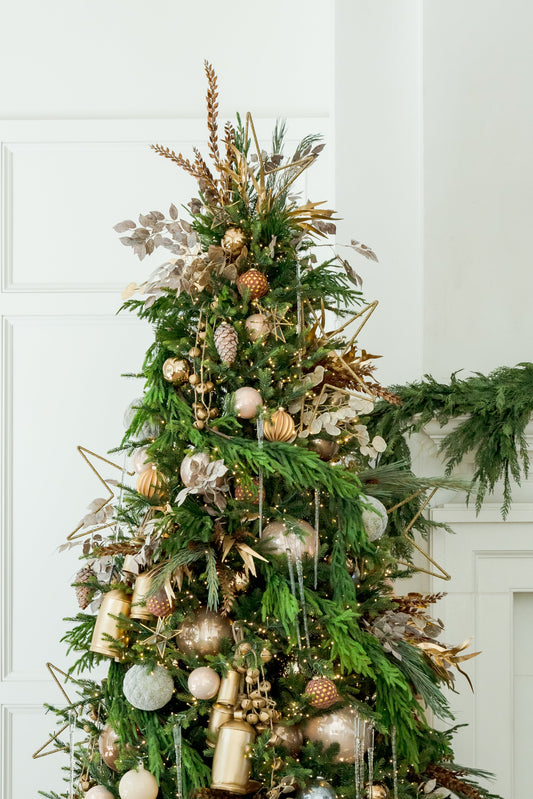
160	636
43	751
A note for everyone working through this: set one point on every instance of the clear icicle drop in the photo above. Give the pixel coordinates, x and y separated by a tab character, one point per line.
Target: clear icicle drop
260	435
300	572
293	591
371	762
177	749
317	539
394	763
71	720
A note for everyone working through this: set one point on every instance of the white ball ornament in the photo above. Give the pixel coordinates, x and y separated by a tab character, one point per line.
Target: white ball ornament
203	683
99	792
375	522
139	460
299	538
148	689
138	784
247	401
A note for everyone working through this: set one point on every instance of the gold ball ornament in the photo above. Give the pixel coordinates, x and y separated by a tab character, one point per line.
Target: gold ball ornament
257	326
336	727
299	538
194	379
233	240
99	792
204	633
176	370
247	402
138	784
195	352
281	427
325	449
377	791
253	281
203	683
291	738
149	483
322	692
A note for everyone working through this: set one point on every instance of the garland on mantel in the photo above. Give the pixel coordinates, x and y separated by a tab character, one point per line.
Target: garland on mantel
498	407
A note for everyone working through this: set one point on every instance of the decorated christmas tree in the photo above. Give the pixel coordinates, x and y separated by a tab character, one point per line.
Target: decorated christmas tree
239	589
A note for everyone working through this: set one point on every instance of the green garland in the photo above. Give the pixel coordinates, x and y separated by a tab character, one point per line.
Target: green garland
498	408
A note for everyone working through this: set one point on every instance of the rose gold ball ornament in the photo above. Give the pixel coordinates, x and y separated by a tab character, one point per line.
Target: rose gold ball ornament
322	692
374	521
253	281
203	683
233	240
299	538
108	744
291	738
99	792
336	727
139	462
138	784
247	401
257	326
176	370
280	427
204	634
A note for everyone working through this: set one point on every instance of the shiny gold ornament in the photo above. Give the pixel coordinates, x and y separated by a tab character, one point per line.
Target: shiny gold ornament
138	600
336	727
176	370
204	634
209	386
108	744
213	413
233	241
254	282
113	604
149	483
377	791
281	427
325	449
322	692
257	326
229	688
218	716
231	763
265	655
198	424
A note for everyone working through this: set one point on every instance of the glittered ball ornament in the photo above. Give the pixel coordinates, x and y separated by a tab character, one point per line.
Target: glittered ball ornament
148	688
254	282
247	402
138	784
139	460
233	240
317	789
374	521
299	538
204	634
322	692
203	683
280	427
257	326
176	370
150	482
99	792
336	727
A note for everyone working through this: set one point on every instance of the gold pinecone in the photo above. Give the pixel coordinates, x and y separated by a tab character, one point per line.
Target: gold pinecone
226	341
84	593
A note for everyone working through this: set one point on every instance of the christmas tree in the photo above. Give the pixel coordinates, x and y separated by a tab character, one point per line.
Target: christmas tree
240	590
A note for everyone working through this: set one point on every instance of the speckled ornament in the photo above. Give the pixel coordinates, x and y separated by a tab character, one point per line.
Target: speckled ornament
148	689
322	692
253	281
247	493
375	523
247	402
160	604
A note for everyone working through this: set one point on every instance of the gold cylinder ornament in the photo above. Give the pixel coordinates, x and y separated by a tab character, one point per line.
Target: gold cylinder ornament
138	600
220	714
113	604
231	763
281	427
229	689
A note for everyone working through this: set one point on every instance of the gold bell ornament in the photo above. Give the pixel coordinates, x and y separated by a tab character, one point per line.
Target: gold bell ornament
281	427
231	763
138	600
113	604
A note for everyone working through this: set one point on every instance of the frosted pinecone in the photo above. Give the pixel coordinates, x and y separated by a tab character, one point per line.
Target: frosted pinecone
226	341
84	593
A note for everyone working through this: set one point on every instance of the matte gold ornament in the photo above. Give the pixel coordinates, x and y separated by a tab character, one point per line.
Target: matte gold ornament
377	791
233	241
113	604
203	682
204	634
291	738
248	402
299	538
226	342
257	326
253	281
99	792
138	599
325	449
231	763
322	692
149	483
138	784
281	427
336	727
176	370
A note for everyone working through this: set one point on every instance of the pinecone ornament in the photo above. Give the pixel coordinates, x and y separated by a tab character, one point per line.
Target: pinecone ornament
322	692
255	281
84	593
226	341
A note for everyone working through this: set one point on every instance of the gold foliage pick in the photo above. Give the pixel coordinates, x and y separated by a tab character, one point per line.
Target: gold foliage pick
41	752
445	658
